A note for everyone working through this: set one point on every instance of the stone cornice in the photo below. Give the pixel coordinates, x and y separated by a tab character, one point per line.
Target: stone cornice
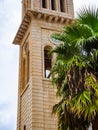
49	16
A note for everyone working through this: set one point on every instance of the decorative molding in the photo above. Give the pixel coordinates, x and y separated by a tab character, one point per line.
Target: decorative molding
49	16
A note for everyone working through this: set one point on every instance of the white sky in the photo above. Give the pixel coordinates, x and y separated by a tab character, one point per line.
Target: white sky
10	16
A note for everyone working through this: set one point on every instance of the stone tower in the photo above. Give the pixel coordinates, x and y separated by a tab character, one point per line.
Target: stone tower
36	96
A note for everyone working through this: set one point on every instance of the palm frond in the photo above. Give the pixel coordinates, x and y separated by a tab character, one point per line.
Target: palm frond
89	16
75	72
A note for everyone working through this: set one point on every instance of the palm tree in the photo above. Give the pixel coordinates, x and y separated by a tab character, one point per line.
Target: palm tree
75	72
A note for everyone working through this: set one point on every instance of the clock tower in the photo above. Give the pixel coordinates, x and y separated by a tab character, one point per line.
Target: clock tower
36	95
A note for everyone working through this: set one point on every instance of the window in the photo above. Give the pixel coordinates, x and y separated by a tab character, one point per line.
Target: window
23	73
28	66
44	4
62	5
24	128
53	5
47	61
25	65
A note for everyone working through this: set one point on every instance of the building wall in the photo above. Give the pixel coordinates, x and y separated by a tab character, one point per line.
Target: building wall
43	94
26	109
37	97
24	113
50	121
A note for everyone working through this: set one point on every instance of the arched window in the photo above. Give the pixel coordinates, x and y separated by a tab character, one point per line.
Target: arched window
62	5
53	5
47	61
23	73
25	65
28	59
44	4
24	128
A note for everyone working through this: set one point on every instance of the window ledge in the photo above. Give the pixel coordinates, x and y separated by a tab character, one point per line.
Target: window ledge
47	79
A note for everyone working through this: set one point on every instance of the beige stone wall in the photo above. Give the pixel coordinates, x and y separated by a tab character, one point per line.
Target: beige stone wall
43	95
37	89
50	121
49	98
24	113
26	109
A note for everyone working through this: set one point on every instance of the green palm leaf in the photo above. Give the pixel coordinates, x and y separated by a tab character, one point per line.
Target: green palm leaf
89	16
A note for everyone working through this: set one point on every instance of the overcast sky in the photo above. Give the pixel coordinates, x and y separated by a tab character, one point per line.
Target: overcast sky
10	16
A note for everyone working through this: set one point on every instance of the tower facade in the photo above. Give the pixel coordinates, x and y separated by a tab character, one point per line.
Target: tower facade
36	95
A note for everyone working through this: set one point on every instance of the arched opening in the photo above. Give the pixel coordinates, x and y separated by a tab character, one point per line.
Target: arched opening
62	5
24	128
44	4
23	73
25	65
53	5
28	66
47	61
